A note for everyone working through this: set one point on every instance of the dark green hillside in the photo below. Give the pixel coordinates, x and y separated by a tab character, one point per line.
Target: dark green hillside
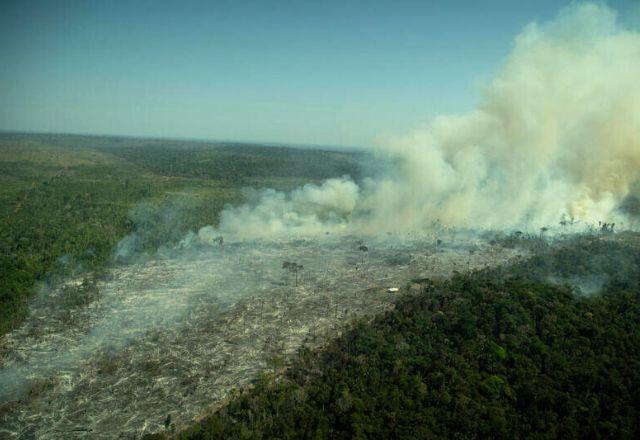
243	164
65	200
495	354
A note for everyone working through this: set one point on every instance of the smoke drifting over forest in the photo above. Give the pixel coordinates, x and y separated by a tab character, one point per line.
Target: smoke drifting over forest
557	133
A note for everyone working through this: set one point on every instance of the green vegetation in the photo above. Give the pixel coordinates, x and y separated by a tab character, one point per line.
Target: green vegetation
501	353
65	201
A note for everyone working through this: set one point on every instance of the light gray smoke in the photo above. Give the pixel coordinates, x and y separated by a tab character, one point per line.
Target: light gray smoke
557	133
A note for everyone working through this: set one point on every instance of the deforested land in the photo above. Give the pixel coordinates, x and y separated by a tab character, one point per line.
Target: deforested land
125	313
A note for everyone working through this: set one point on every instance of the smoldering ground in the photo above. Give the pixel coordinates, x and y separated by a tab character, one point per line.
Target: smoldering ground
173	335
556	134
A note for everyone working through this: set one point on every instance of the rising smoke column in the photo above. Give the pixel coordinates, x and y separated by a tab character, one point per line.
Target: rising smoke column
557	132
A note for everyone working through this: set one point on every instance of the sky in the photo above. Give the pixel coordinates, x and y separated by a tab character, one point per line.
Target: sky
335	73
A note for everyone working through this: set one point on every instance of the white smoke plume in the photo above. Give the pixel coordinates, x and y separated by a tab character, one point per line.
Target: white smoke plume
557	132
311	209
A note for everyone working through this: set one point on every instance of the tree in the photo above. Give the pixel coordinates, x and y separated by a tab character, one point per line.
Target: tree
363	249
606	227
294	268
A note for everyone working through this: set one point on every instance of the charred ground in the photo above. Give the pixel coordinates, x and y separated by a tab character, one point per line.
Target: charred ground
510	352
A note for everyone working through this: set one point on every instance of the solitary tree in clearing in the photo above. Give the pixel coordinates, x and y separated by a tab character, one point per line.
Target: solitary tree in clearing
363	249
293	268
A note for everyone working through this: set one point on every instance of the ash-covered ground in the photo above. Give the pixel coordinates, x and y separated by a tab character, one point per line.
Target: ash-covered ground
173	335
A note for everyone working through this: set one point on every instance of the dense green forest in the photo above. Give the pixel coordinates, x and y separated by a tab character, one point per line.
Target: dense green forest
66	200
514	352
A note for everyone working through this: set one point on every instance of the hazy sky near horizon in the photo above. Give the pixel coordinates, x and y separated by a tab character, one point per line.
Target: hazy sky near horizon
322	72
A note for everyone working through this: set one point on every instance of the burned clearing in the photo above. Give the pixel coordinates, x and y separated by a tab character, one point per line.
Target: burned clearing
155	344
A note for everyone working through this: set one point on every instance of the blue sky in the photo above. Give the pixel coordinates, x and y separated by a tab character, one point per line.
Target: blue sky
323	72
